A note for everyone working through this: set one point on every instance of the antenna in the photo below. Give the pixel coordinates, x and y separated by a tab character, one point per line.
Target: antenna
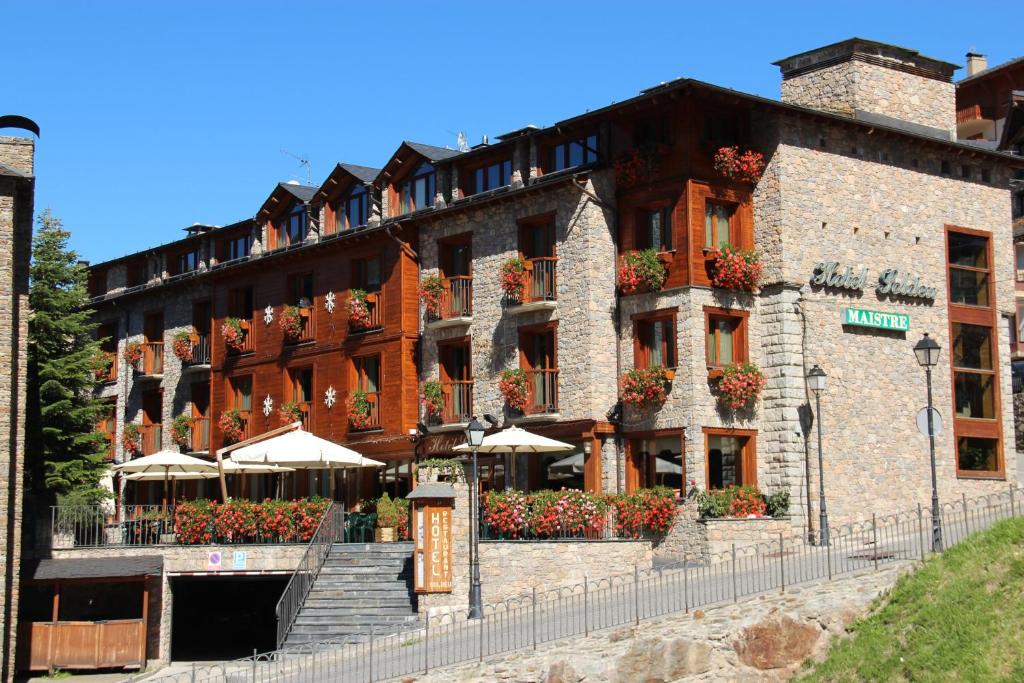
463	143
304	162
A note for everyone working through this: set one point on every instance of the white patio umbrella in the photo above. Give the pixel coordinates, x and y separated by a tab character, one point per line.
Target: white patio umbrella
515	440
166	462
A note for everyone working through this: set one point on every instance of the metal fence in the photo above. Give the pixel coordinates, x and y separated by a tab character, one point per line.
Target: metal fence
524	622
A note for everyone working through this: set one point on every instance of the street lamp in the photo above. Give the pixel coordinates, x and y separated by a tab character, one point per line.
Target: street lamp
816	381
927	352
474	437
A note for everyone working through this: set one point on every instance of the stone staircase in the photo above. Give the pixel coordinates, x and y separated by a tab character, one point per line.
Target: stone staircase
362	589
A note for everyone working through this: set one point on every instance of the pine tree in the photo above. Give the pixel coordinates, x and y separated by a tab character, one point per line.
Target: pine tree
63	445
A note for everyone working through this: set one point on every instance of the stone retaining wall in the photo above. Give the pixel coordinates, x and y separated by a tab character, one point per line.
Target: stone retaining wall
723	534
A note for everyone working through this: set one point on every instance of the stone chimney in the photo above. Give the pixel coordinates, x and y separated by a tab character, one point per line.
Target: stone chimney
876	82
17	153
976	63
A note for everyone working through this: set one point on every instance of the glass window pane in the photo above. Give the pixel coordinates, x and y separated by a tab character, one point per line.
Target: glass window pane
725	341
591	149
724	460
493	177
562	470
506	170
977	455
969	287
709	225
974	395
558	158
575	154
968	250
722	214
1020	255
656	344
972	346
479	180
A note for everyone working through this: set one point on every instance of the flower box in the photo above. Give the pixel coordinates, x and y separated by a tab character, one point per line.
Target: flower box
641	271
746	166
732	268
740	385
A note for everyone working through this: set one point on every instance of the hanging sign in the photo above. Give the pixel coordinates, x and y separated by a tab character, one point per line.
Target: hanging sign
891	281
433	552
862	317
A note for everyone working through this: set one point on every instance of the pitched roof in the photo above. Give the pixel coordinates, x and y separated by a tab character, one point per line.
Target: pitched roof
431	152
432	489
94	568
364	173
302	192
991	70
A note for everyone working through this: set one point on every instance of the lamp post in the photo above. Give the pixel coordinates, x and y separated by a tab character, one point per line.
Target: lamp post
816	381
927	352
474	437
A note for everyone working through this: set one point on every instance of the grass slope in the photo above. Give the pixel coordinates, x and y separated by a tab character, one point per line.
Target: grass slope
958	618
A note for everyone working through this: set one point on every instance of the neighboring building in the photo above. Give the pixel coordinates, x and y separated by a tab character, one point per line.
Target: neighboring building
990	113
17	188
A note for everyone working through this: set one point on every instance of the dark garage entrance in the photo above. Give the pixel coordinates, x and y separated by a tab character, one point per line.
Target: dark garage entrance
223	617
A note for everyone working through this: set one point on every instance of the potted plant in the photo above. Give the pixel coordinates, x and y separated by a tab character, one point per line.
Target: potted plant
181	432
232	426
182	346
740	385
132	354
733	268
431	290
432	398
290	412
641	271
514	389
645	388
387	520
101	370
131	439
291	322
359	411
639	165
746	166
359	310
234	333
513	278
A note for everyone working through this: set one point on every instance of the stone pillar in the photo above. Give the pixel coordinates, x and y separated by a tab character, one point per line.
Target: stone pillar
458	599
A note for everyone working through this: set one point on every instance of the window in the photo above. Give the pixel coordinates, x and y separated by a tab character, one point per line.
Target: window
456	372
300	290
187	262
730	458
556	471
241	394
351	211
367	274
973	351
574	153
718	220
538	357
301	380
655	229
537	247
968	269
240	303
238	247
656	461
292	226
418	191
498	174
367	374
726	336
655	341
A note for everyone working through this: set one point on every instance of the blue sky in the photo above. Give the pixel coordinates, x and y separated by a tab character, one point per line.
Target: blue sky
155	115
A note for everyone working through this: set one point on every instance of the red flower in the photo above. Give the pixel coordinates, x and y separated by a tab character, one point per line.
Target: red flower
747	167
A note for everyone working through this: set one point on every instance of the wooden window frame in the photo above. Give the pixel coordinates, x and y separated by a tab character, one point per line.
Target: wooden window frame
734	229
526	331
359	272
227	245
748	459
550	151
982	316
358	372
633	472
339	220
233	386
505	178
664	207
410	181
641	351
282	224
740	342
445	245
741	224
180	258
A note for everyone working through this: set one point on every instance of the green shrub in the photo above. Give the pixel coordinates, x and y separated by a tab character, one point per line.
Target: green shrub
777	503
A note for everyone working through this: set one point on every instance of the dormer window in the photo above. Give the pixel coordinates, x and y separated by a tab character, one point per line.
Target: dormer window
351	210
492	176
574	153
292	226
187	262
417	192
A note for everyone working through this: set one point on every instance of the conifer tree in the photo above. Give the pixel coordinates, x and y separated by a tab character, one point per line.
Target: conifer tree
63	445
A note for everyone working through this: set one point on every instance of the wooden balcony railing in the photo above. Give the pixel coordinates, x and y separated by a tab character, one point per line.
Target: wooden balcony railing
152	358
200	349
542	391
375	306
969	113
152	438
458	401
456	299
373	421
108	374
541	283
199	434
247	340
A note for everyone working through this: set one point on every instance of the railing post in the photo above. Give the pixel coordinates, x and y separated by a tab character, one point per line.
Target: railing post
369	666
920	529
782	565
193	672
254	665
533	617
586	585
636	594
874	540
967	526
481	622
686	585
828	559
426	643
1013	511
735	597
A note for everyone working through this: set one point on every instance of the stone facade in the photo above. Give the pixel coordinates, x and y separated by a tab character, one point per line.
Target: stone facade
17	186
764	639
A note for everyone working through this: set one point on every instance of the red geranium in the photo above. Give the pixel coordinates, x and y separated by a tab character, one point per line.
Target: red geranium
740	385
359	311
431	290
231	425
746	166
513	388
736	268
645	387
233	333
182	345
513	278
291	322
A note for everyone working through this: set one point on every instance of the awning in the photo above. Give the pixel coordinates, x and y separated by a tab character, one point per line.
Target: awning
432	489
94	568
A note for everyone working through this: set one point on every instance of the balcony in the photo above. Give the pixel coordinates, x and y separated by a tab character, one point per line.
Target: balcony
458	406
375	319
372	420
200	353
152	438
456	305
541	289
306	331
199	435
108	374
152	363
247	345
541	396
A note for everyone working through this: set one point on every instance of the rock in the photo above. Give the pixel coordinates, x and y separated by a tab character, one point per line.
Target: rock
657	660
621	634
560	672
776	642
698	614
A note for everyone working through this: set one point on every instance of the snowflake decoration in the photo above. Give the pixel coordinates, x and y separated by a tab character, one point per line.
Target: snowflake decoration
268	406
329	302
268	314
330	397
